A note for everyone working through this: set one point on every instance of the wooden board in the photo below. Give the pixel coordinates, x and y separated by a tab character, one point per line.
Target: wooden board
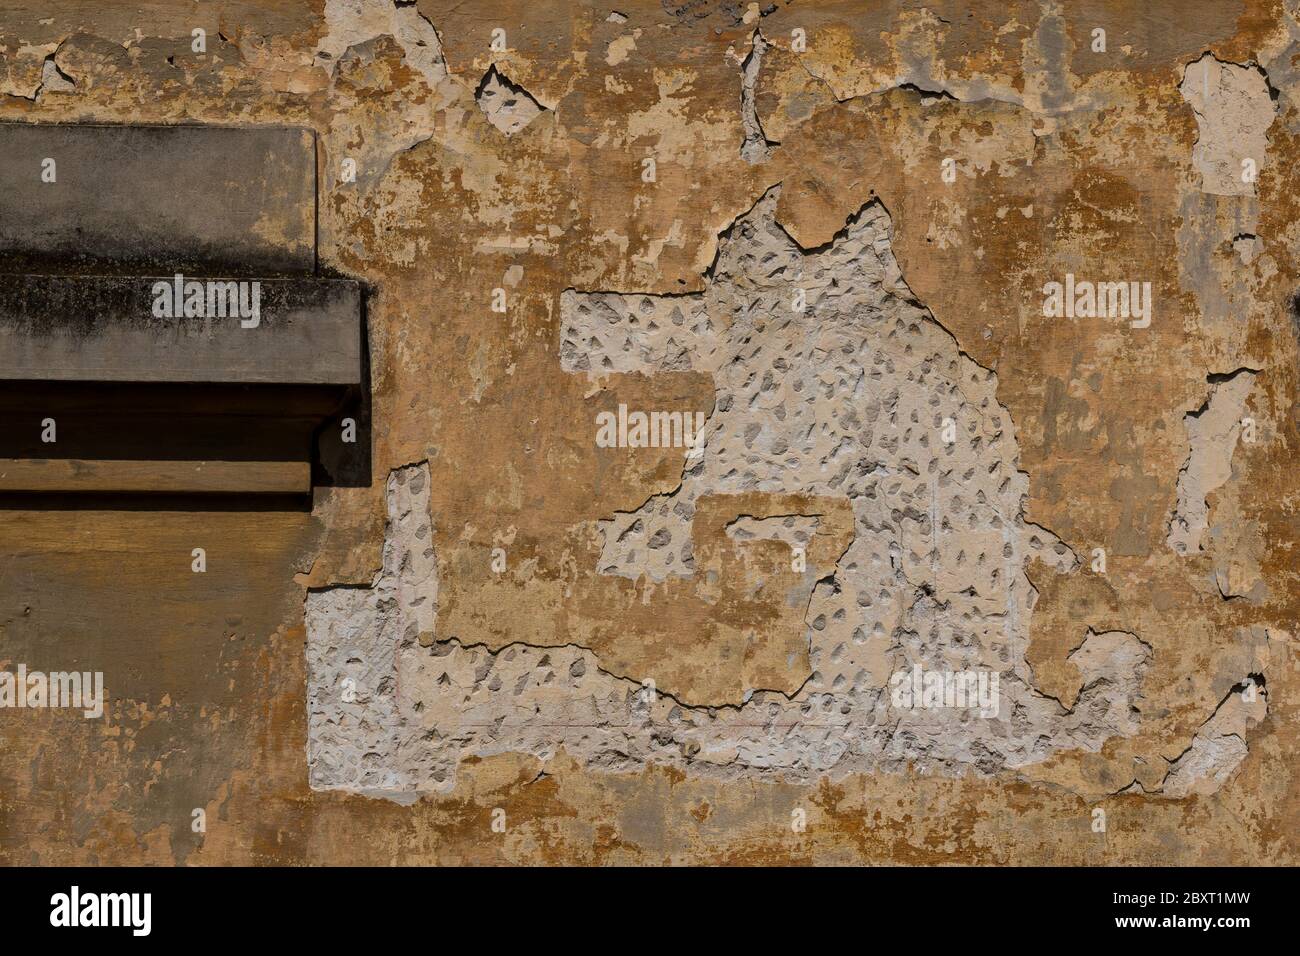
72	475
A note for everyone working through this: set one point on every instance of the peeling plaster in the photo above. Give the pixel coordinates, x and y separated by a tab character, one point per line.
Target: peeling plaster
933	576
508	106
757	147
1219	746
1212	433
1234	111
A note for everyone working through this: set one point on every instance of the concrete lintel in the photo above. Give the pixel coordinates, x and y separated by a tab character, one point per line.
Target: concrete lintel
106	329
80	198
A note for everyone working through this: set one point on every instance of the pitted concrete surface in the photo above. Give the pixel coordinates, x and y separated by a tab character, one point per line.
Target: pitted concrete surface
847	393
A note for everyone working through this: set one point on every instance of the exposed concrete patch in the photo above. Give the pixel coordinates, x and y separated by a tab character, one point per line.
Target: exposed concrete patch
361	41
1235	541
1220	745
1247	247
1234	110
49	79
849	397
54	80
757	147
353	22
621	47
1212	433
934	577
418	711
356	728
23	68
508	106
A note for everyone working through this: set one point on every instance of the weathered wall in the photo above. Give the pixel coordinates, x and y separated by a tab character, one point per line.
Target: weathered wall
861	326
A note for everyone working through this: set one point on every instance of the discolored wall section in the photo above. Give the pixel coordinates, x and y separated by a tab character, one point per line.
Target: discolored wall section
807	273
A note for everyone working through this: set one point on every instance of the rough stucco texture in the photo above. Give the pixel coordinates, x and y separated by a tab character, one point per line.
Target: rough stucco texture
827	233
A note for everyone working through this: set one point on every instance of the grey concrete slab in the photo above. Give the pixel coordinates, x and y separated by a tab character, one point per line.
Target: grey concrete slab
157	199
115	329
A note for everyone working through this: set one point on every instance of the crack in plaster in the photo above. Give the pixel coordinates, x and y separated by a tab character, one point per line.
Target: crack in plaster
757	147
